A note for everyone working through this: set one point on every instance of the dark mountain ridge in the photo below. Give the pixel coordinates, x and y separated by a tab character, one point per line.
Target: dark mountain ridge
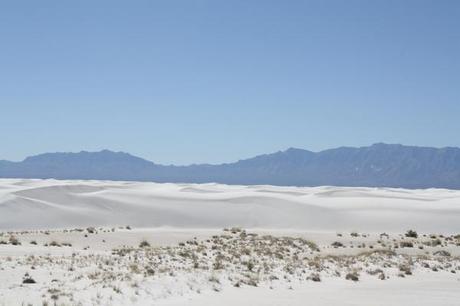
379	165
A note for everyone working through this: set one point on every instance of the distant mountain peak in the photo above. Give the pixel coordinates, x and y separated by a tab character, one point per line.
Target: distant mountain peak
295	150
82	155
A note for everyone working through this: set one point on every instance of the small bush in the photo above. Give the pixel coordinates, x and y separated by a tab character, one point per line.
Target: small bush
337	244
144	244
353	276
433	242
27	279
405	269
406	244
314	277
14	241
411	234
54	243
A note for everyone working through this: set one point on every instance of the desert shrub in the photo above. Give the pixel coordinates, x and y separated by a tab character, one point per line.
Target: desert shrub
144	244
435	242
353	276
337	244
406	244
375	272
314	277
405	269
218	264
14	241
235	230
150	271
27	279
310	244
134	268
411	234
250	265
54	243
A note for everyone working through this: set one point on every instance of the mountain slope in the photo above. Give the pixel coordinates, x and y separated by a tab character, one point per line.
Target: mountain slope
374	166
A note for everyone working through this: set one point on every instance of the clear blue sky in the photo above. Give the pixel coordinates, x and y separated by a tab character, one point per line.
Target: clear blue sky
215	81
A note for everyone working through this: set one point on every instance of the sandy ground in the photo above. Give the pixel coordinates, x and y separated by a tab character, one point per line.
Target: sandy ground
81	244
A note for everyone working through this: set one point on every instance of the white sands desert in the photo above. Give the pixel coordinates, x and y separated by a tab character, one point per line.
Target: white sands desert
298	244
32	204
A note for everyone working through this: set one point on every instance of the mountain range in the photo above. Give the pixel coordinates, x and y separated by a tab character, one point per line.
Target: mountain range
378	165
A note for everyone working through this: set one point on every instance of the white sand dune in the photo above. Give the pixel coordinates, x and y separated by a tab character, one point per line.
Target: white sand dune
38	204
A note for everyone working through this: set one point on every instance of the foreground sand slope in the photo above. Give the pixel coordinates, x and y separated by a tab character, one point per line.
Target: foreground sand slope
29	204
126	266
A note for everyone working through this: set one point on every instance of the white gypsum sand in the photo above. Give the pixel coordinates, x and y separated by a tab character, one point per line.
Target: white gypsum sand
67	242
32	204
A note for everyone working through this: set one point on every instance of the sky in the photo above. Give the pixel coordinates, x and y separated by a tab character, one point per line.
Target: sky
181	82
